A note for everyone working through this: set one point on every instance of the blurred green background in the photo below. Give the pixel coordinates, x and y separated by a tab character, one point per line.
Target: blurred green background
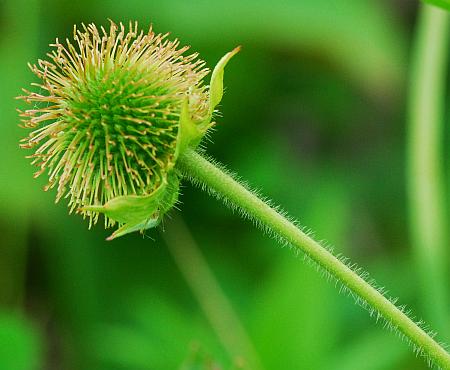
313	115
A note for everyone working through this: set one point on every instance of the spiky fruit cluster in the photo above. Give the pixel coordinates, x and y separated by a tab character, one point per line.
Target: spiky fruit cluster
107	119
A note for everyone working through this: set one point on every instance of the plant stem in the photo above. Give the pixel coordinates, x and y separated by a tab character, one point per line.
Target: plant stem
425	167
207	174
212	299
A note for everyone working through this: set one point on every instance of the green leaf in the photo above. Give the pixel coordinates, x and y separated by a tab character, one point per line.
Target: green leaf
444	4
216	85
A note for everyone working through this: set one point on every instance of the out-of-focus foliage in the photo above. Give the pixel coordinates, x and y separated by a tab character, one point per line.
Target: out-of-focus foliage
445	4
20	346
312	115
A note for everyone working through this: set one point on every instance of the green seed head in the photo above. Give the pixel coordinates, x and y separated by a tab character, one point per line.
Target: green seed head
112	112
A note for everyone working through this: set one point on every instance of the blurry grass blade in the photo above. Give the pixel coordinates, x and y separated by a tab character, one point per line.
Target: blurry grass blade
426	179
215	304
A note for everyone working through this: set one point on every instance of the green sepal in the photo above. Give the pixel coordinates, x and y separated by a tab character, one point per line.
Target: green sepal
171	194
216	84
190	133
140	226
444	4
133	212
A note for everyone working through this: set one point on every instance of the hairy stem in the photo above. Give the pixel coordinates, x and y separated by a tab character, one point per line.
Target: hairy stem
425	167
211	177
